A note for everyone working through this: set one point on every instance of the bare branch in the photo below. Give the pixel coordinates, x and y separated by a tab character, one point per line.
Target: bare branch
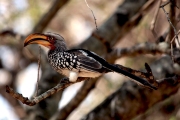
18	108
139	49
41	97
172	80
43	22
175	31
167	16
74	103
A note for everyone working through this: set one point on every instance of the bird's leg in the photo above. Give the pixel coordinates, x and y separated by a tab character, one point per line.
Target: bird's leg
64	80
73	76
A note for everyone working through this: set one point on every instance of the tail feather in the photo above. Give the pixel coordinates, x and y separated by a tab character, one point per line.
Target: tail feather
138	80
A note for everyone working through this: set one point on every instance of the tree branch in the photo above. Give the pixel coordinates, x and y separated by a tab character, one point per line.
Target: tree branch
44	21
43	96
140	49
75	101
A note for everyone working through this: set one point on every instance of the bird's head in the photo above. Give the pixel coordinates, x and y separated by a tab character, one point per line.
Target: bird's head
50	40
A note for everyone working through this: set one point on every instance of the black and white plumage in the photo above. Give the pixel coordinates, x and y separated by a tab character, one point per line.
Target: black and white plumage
76	62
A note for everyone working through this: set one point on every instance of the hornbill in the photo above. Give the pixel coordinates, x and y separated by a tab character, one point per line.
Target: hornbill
76	63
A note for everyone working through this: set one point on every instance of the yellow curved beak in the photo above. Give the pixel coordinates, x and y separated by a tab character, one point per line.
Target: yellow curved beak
37	38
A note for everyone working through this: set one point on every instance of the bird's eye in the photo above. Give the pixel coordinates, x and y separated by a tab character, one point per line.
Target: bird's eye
51	39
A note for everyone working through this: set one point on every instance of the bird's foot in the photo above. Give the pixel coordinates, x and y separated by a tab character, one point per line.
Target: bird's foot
64	80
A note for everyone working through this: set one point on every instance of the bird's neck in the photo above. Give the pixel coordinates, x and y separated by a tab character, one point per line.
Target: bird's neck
56	50
59	48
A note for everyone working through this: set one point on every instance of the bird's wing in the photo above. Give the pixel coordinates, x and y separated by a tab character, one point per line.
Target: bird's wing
87	61
92	62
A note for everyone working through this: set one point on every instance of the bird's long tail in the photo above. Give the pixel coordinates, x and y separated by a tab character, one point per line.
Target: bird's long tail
129	75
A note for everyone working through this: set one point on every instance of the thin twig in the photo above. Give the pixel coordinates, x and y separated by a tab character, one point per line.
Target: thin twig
172	54
176	35
38	79
167	16
163	5
92	14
